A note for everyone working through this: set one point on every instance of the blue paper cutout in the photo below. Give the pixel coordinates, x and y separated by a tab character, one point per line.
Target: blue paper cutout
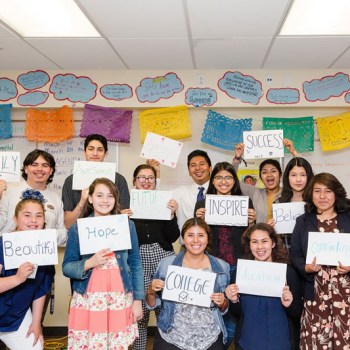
5	121
326	87
8	89
33	80
283	96
240	86
347	97
223	132
199	97
116	92
153	89
72	88
33	98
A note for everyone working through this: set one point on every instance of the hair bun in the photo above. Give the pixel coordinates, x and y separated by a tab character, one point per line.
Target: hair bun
29	193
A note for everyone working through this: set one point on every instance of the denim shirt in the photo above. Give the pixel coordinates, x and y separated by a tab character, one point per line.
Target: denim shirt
166	317
129	262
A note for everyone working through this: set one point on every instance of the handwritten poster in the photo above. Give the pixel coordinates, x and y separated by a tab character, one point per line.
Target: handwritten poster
226	210
188	286
5	121
243	87
261	277
100	232
283	96
8	89
199	97
84	173
292	129
334	131
172	122
36	246
116	92
263	144
33	80
163	149
153	89
329	248
285	215
72	88
10	166
146	204
223	132
33	98
326	87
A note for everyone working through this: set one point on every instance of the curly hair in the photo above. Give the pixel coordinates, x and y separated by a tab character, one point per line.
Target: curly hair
279	251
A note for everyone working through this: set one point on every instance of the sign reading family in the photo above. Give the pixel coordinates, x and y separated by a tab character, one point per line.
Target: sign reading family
84	173
261	277
263	144
328	248
226	210
189	286
10	166
36	246
146	204
285	215
100	232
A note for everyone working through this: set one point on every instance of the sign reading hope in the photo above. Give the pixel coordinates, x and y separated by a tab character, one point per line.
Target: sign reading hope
10	166
38	247
285	215
146	204
100	232
189	286
263	144
226	210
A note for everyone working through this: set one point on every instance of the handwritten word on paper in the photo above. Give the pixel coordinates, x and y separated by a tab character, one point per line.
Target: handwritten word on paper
263	144
146	204
198	97
10	166
189	286
33	98
329	248
84	173
261	277
8	89
33	80
38	247
100	232
117	92
283	96
163	149
285	215
226	210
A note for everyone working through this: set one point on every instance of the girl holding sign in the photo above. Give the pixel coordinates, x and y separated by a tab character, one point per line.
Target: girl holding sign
186	326
108	286
22	296
326	316
267	322
156	238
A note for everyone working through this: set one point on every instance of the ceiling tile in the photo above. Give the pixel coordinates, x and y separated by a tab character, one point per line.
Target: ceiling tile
5	33
343	61
82	53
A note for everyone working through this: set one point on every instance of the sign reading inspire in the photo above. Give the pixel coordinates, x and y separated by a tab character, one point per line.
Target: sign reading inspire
263	144
146	204
285	215
38	247
100	232
261	277
84	173
329	248
226	210
10	166
189	286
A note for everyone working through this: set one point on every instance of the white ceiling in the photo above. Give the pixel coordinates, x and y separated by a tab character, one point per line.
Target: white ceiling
178	34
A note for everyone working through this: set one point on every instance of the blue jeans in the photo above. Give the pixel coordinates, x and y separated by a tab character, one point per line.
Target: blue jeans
229	320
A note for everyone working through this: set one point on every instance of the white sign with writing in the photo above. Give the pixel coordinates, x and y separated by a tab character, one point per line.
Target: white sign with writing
10	166
263	144
285	215
38	247
261	277
329	248
146	204
100	232
226	210
84	173
189	286
161	148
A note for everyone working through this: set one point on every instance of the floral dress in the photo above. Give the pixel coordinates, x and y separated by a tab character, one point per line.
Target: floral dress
102	318
325	322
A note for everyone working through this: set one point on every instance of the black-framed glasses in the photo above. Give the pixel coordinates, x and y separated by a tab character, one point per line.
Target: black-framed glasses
143	179
221	178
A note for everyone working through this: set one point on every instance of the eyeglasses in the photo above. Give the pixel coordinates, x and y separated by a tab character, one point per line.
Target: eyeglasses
143	179
221	178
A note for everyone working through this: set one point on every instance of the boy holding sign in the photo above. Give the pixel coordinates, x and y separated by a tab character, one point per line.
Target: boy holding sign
23	290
